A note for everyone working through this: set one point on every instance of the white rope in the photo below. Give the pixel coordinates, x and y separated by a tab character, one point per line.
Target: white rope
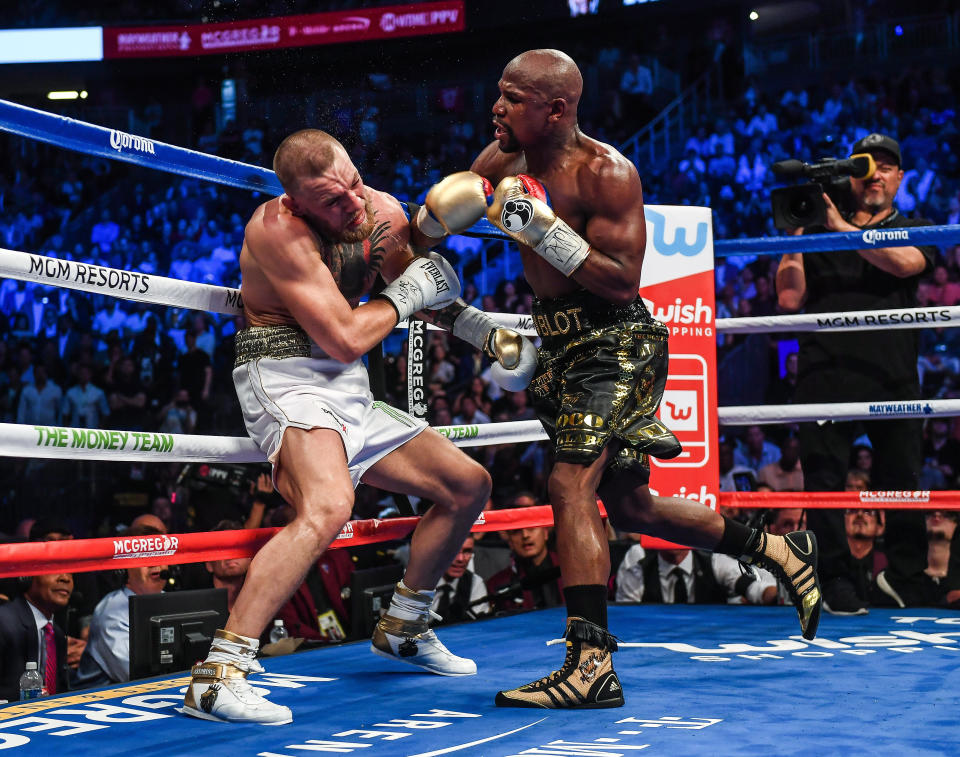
161	290
57	442
18	440
744	415
860	320
129	285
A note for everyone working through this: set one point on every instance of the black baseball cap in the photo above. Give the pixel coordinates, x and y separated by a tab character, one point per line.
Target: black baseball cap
45	526
875	141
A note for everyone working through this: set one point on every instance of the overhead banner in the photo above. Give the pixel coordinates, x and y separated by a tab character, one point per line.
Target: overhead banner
678	288
353	25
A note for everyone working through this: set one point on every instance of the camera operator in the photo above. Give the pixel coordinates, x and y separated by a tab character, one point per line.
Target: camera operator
862	365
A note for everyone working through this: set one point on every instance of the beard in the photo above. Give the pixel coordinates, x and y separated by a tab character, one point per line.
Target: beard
511	145
349	235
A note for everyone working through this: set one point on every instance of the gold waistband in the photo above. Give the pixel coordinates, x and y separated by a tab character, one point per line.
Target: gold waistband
277	342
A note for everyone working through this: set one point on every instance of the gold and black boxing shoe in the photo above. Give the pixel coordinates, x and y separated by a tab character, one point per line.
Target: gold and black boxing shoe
587	680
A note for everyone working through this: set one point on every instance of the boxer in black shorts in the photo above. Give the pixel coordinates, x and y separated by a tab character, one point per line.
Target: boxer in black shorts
621	352
602	365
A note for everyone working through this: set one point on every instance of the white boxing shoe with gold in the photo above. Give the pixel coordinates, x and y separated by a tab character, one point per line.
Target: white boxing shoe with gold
219	690
410	639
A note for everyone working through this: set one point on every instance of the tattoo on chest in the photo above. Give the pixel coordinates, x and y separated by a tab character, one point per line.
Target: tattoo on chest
353	268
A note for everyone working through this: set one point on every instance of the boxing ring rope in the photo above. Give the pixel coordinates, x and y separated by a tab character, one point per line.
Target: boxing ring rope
162	290
97	444
82	555
843	240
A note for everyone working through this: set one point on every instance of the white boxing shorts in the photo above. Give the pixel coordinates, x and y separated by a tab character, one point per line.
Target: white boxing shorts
319	392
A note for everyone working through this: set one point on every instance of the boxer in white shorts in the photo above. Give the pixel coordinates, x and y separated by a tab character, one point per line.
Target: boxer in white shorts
308	258
317	392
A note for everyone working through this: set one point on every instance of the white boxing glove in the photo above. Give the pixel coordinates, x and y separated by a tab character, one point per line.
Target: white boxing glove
429	282
514	356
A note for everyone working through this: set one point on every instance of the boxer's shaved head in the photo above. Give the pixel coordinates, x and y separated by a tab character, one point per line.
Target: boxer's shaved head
551	73
305	153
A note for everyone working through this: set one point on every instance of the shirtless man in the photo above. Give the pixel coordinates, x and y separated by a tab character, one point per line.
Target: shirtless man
307	259
602	367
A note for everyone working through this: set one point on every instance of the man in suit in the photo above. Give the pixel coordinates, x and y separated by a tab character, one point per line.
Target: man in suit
28	634
460	591
685	576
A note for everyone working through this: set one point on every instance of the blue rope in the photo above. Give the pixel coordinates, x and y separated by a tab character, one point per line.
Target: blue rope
117	145
843	240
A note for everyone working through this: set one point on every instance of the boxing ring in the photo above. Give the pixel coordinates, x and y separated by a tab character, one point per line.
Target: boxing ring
702	680
698	679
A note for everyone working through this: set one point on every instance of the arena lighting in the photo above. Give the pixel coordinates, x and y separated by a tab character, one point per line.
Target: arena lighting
68	94
754	15
51	45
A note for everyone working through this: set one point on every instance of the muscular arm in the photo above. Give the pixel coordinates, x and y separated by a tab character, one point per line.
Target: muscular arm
617	233
288	257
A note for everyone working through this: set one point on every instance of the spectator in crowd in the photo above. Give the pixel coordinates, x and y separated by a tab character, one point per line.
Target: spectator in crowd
937	584
533	578
686	576
228	574
856	481
461	592
178	415
636	88
84	405
127	397
468	412
755	451
196	374
785	475
783	388
316	610
107	656
865	365
105	232
851	589
733	477
941	451
82	597
40	402
28	633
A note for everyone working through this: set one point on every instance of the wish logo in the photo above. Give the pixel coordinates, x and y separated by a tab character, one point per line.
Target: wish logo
679	245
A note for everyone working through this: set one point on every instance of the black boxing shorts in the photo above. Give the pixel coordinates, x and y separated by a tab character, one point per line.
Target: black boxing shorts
601	373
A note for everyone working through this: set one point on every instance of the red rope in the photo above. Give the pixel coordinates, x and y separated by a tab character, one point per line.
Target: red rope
81	555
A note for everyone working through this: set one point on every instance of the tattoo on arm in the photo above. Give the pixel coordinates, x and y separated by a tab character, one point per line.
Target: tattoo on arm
444	317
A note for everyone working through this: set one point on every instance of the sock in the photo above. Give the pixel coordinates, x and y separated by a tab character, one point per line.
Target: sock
587	601
232	647
408	604
737	538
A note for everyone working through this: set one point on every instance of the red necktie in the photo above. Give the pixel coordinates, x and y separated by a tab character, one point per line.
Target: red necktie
50	666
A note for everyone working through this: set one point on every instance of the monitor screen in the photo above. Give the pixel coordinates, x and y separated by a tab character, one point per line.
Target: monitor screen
370	592
170	632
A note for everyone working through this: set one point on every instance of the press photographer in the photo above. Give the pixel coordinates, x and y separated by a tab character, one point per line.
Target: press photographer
859	366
